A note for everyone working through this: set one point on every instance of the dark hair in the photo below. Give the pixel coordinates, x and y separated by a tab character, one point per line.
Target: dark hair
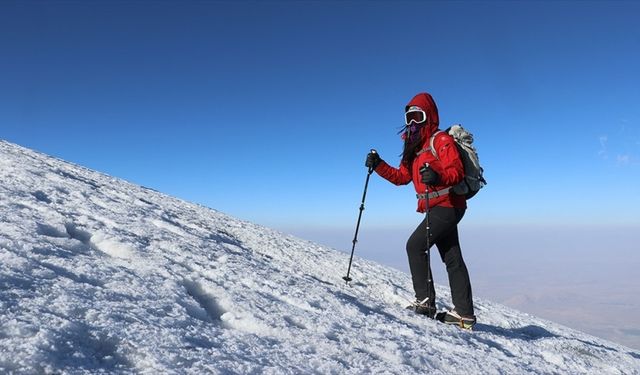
410	147
409	150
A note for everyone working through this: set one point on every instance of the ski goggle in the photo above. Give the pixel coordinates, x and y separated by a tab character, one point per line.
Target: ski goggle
416	115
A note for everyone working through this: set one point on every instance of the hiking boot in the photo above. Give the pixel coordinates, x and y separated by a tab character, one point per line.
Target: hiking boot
453	318
424	307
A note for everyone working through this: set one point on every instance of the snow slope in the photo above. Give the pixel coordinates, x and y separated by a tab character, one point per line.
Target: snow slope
98	275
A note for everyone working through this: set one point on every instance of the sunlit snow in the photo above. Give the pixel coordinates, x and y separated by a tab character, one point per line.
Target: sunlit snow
98	275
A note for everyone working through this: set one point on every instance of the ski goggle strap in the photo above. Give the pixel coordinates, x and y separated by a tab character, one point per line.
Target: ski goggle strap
416	115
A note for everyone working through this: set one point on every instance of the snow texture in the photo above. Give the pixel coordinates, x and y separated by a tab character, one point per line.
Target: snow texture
98	275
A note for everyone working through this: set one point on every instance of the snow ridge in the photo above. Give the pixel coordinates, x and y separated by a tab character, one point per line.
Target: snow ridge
98	275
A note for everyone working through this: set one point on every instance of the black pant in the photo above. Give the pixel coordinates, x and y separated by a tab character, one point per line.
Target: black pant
444	234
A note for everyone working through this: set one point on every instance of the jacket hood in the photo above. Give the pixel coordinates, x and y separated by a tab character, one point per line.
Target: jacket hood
428	105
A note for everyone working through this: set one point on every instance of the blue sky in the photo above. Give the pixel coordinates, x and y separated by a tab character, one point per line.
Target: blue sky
265	110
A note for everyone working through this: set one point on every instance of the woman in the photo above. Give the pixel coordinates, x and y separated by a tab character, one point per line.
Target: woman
433	172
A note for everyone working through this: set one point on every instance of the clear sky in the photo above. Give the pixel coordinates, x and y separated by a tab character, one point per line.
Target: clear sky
265	110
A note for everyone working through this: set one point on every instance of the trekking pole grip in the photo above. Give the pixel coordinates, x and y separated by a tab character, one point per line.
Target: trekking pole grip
373	151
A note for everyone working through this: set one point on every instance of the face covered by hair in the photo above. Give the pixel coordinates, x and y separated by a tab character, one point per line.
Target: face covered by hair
412	132
415	118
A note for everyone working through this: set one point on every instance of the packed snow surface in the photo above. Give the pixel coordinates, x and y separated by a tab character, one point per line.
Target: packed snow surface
98	275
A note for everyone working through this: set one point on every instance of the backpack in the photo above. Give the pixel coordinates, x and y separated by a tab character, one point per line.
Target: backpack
473	180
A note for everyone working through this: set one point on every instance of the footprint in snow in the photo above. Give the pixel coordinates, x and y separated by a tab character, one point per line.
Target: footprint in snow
41	197
210	308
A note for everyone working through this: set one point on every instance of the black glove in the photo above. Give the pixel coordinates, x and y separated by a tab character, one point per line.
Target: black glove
373	159
429	176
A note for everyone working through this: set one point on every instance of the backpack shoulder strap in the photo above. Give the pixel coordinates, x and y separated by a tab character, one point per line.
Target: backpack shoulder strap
431	147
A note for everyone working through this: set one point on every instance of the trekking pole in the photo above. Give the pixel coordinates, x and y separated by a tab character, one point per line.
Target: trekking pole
355	237
429	279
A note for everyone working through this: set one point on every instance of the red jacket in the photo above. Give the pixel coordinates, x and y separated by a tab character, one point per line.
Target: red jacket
448	164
